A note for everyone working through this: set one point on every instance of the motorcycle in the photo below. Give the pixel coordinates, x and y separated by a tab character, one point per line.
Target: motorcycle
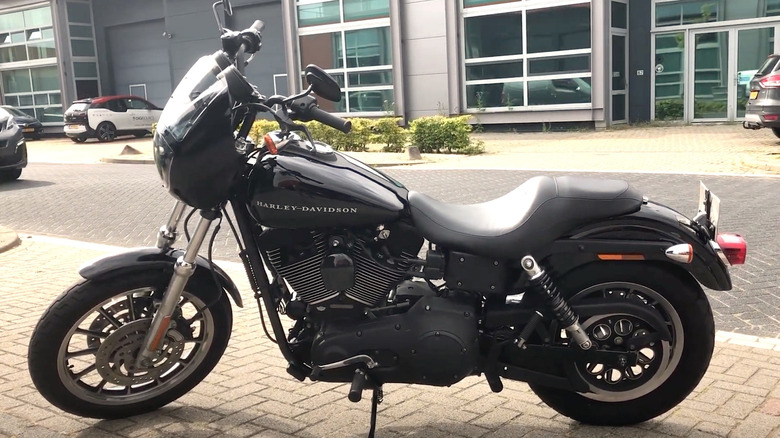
583	288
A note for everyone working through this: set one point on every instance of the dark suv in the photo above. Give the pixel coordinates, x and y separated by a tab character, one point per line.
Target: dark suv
13	149
763	107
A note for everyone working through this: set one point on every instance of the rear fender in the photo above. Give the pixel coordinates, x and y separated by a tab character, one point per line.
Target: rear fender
150	259
646	233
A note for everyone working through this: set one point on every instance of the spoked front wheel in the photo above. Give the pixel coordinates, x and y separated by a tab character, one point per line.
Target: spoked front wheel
672	333
82	355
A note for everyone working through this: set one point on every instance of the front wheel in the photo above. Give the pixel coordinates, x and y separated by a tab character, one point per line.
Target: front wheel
82	352
776	131
667	370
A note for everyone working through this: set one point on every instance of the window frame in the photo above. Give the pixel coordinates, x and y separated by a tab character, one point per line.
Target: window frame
342	28
524	7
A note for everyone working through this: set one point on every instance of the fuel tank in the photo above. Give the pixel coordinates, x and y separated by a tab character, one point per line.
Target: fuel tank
301	188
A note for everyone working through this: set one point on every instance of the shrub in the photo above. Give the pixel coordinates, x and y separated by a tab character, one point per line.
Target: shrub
323	133
389	134
358	138
260	128
669	109
444	134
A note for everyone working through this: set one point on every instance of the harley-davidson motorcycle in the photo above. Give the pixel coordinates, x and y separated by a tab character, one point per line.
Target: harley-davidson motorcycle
581	287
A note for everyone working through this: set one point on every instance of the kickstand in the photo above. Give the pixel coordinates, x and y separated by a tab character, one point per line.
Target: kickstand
375	401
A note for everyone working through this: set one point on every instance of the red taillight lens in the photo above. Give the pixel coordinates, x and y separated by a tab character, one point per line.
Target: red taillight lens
734	247
771	81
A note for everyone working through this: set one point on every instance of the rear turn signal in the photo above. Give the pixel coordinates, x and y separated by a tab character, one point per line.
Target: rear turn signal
624	257
734	247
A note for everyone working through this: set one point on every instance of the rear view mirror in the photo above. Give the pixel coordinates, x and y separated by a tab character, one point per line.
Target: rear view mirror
322	83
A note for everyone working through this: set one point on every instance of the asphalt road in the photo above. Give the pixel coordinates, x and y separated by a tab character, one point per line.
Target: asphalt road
124	205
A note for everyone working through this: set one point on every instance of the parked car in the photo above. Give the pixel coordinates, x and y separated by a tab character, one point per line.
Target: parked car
31	127
13	149
763	105
107	117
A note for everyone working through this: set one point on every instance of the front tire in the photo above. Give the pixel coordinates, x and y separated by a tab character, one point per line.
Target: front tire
78	139
666	372
106	131
10	175
82	352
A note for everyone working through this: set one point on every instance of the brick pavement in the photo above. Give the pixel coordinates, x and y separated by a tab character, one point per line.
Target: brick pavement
250	394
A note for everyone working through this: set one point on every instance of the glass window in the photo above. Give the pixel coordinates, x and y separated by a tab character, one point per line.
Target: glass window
494	35
323	49
12	100
82	48
13	54
384	77
500	94
619	15
772	8
55	98
33	35
699	12
47	33
41	99
12	21
365	9
45	78
559	64
39	17
545	33
85	69
669	86
494	70
468	3
79	13
325	12
16	81
25	100
374	100
368	47
559	91
136	104
41	50
18	37
79	31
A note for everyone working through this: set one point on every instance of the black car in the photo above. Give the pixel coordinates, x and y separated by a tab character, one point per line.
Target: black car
13	149
763	106
31	127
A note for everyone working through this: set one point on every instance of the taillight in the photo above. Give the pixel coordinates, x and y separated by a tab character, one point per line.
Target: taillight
771	81
734	247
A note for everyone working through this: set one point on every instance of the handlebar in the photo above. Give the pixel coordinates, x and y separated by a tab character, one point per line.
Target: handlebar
331	120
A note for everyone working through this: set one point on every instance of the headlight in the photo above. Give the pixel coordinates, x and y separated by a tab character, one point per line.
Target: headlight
10	124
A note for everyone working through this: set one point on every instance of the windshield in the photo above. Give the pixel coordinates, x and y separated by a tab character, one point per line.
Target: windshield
767	66
15	112
81	106
191	97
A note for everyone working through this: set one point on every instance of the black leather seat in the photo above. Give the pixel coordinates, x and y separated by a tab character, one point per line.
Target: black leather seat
537	212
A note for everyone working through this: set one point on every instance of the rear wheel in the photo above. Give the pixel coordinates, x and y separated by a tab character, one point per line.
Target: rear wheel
776	132
141	134
82	352
10	175
78	139
106	131
666	370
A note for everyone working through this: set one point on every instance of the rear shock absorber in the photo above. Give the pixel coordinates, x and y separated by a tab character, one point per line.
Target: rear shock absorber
542	284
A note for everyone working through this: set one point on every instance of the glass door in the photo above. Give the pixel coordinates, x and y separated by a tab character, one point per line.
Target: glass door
619	83
708	95
753	46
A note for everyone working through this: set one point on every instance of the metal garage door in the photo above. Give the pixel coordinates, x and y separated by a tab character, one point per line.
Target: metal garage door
138	54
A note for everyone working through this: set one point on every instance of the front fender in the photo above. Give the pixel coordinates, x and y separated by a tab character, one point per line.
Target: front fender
648	232
151	258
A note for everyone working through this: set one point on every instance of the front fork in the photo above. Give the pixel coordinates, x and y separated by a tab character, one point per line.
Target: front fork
182	271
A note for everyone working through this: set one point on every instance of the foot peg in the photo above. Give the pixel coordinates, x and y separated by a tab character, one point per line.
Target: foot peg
359	383
542	284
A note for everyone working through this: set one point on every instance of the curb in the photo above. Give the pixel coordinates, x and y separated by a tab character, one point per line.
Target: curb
128	160
8	239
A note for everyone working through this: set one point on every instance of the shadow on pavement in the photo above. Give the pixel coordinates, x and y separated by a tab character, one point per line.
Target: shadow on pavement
22	184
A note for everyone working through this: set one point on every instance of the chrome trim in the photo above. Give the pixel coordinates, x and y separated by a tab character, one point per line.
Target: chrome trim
531	267
167	234
360	358
682	253
719	251
514	299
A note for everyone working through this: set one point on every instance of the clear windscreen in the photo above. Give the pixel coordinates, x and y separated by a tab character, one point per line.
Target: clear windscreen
191	97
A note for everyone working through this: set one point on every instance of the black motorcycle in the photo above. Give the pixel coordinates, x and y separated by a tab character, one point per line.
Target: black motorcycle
581	287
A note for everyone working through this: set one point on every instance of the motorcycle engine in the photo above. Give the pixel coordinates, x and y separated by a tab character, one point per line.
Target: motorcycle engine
342	270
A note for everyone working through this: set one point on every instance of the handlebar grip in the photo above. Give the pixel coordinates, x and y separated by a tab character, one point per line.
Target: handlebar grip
258	25
329	119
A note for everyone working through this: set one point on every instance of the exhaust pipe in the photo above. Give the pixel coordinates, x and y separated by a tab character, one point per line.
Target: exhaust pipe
751	125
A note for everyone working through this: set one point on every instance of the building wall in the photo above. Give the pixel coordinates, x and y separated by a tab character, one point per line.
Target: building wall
640	58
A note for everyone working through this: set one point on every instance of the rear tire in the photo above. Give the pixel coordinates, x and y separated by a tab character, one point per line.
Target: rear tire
10	175
78	139
81	355
141	134
776	132
630	397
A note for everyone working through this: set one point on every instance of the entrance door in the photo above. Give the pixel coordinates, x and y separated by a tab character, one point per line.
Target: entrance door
721	64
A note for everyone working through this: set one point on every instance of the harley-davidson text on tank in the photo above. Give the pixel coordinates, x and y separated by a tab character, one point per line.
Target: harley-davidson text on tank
306	209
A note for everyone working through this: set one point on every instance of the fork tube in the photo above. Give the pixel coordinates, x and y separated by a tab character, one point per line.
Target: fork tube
167	233
182	271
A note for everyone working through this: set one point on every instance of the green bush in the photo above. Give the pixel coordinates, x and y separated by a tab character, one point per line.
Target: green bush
439	134
260	128
358	138
669	109
389	134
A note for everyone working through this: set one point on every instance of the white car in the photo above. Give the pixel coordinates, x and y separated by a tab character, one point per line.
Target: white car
107	117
